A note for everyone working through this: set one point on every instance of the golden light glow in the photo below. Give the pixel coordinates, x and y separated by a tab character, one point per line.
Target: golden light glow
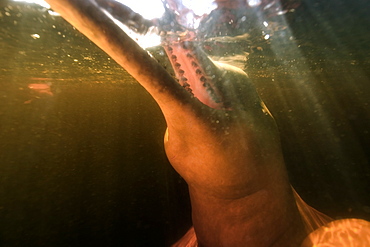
340	233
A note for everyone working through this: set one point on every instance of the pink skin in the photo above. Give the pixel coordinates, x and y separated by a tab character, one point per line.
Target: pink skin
230	156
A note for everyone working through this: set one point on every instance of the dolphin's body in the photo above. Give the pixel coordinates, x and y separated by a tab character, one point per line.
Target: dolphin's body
220	138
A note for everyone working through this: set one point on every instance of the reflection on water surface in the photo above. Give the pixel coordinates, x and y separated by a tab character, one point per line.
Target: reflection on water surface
82	160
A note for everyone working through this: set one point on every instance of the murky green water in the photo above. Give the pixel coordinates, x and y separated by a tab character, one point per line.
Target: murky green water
81	153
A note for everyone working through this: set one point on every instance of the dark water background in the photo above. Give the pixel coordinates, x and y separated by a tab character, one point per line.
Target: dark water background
82	163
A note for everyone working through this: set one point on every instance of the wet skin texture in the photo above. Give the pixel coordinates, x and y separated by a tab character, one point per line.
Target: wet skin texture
227	151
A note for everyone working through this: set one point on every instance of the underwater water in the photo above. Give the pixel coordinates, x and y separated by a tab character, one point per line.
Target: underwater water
81	143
